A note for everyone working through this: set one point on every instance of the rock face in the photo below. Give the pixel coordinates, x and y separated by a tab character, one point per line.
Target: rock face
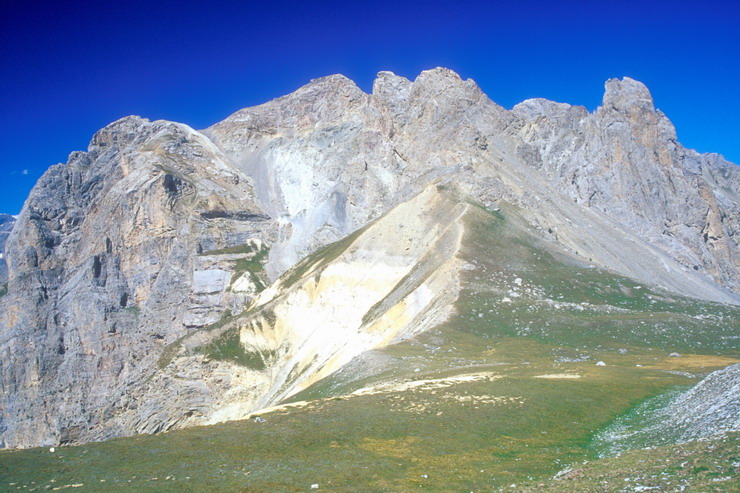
624	161
105	271
6	226
123	256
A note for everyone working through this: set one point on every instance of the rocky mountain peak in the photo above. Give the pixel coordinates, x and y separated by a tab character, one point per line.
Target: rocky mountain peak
629	102
627	95
530	109
440	73
121	130
441	81
392	89
322	100
386	80
330	84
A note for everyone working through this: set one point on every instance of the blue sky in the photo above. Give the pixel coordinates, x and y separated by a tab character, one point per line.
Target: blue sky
69	68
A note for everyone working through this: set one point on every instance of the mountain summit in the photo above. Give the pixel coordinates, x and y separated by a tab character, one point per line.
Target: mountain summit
169	277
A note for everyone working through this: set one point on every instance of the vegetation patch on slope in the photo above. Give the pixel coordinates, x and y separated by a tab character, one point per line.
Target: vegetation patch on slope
319	259
521	288
254	266
228	347
172	349
705	465
252	262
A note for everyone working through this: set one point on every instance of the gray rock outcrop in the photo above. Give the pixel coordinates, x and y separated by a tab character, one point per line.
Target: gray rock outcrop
6	226
106	264
158	230
709	410
624	160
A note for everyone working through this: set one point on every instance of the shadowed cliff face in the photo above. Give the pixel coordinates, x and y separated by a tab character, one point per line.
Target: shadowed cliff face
127	261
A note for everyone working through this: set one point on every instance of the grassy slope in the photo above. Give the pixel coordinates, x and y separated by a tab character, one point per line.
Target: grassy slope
712	465
477	435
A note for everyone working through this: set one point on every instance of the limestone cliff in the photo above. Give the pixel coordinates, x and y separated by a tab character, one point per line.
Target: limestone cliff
104	271
624	161
147	274
387	282
6	226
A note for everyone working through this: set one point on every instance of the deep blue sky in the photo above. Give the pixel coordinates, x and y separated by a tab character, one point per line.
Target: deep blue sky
69	68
